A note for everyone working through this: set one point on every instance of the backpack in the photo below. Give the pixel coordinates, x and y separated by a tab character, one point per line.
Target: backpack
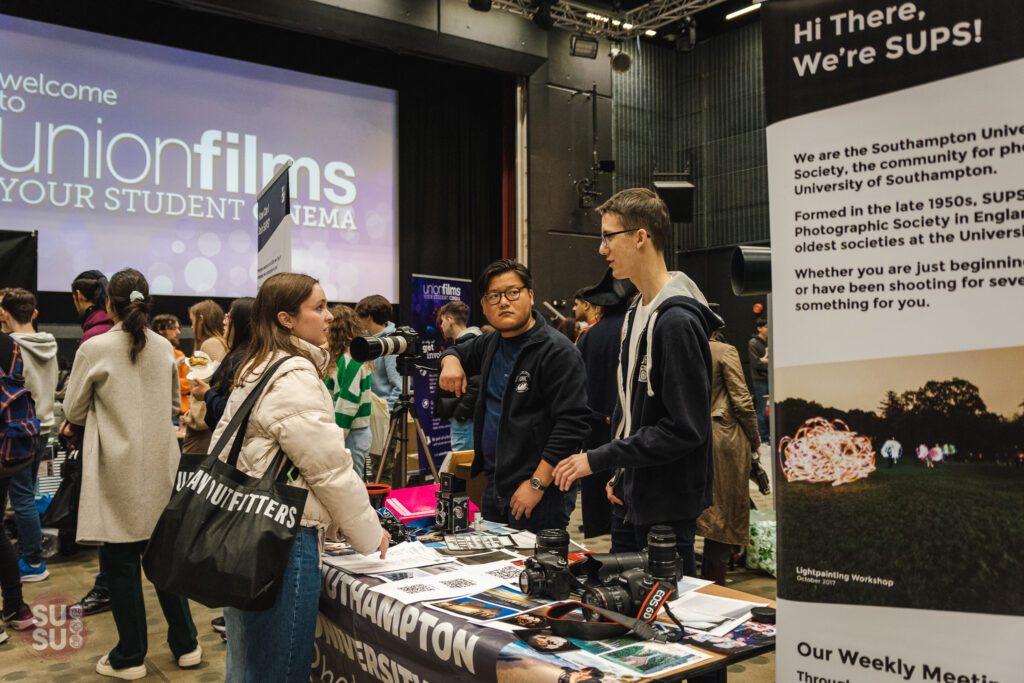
19	426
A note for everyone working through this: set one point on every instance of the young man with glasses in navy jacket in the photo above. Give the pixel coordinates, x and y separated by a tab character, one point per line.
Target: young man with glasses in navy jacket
662	423
532	408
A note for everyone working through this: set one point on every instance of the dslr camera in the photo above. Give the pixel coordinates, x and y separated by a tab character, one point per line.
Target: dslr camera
547	575
634	583
404	341
451	514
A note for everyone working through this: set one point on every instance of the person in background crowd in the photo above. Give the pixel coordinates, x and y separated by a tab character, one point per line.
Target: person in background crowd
569	327
16	614
662	424
238	333
89	292
290	319
4	329
39	356
349	383
89	295
168	326
458	410
734	430
586	313
374	313
605	308
124	385
207	320
757	351
533	408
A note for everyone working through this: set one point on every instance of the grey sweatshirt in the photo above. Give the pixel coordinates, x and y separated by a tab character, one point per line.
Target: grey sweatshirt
39	353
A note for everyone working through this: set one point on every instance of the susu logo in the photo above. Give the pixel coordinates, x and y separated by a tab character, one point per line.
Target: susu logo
522	382
58	632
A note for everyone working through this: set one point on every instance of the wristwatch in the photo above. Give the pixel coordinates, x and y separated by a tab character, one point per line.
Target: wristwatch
536	485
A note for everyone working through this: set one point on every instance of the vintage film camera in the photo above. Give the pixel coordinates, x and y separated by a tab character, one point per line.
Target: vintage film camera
452	511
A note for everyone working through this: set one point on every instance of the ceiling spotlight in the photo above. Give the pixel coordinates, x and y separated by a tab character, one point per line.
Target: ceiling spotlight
627	27
616	22
740	12
650	32
620	61
480	5
582	46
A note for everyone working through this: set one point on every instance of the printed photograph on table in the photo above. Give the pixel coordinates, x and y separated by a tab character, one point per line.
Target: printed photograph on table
508	597
883	451
527	620
651	658
545	641
471	608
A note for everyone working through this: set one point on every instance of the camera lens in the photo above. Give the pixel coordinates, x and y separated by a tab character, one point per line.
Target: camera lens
662	560
366	348
553	541
600	567
614	598
531	582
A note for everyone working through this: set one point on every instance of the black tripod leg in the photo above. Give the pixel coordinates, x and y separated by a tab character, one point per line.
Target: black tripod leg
388	442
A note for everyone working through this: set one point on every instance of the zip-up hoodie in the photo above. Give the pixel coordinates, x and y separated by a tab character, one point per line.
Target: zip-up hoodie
543	410
663	418
39	353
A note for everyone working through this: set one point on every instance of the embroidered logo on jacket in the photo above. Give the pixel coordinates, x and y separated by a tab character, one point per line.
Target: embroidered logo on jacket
642	373
523	382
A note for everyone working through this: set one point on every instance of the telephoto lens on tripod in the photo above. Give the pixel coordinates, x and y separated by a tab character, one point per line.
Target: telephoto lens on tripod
553	541
403	341
662	559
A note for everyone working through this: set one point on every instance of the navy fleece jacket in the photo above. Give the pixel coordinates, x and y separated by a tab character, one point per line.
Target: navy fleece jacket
663	442
544	409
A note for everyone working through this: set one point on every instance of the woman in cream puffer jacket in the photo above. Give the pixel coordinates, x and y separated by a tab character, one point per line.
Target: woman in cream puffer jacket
294	414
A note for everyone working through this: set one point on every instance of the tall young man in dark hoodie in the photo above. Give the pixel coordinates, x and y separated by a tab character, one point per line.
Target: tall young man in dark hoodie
532	408
662	423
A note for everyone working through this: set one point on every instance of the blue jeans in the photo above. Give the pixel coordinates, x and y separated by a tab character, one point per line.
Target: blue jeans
552	512
23	499
628	537
277	644
462	435
761	406
357	441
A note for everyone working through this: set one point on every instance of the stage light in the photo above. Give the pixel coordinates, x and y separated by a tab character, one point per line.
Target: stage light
650	32
480	5
739	12
620	61
627	27
581	46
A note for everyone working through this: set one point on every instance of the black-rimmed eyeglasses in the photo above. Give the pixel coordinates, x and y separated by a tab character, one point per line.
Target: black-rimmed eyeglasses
606	235
512	294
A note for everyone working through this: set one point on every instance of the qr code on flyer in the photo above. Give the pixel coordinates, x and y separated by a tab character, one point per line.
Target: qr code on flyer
506	573
458	583
414	588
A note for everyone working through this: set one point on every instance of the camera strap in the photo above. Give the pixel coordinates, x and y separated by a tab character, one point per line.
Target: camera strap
612	624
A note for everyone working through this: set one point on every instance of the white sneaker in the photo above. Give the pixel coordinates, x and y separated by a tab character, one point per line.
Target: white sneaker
131	673
190	659
3	636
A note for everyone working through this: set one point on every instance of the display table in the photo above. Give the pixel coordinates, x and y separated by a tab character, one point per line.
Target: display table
364	636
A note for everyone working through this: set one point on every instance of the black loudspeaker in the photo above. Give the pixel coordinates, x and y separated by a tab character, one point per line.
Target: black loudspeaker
19	259
751	271
678	195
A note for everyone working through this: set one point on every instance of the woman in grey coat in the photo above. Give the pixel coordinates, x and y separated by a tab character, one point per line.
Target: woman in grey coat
124	389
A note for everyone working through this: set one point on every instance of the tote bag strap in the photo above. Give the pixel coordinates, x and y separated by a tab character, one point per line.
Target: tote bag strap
241	416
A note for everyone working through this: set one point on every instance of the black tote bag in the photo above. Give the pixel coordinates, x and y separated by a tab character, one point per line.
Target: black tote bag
62	512
225	537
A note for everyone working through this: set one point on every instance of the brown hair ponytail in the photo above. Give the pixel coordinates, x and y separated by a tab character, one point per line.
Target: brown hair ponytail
129	297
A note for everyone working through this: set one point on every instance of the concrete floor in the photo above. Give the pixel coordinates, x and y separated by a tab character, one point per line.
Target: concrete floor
23	658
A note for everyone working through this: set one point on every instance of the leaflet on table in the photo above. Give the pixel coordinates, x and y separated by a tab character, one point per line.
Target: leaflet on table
448	585
748	636
419	572
708	613
402	556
